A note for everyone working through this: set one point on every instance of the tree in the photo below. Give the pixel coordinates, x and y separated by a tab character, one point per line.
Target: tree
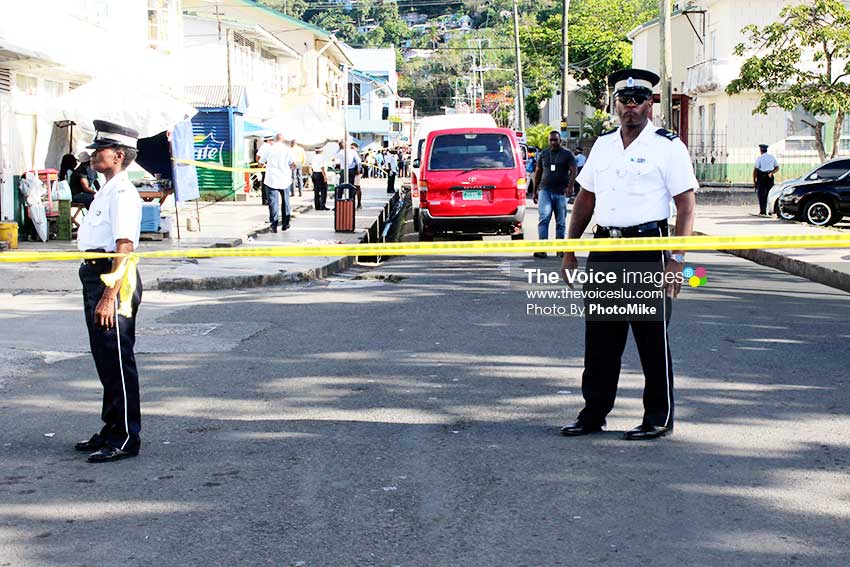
294	8
337	22
598	45
595	124
538	135
801	61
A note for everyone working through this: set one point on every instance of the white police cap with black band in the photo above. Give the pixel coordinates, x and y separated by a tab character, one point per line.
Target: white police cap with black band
109	134
633	81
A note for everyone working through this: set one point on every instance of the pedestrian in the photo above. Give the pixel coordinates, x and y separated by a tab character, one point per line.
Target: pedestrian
379	164
319	178
279	166
553	181
392	171
260	158
83	181
628	182
113	224
581	159
764	173
300	159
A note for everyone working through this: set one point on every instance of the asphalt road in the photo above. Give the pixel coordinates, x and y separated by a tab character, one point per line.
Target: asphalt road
414	422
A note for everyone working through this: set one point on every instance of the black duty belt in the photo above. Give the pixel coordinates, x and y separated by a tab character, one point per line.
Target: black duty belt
97	261
628	231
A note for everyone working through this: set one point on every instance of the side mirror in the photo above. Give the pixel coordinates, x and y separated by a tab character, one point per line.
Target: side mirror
416	162
813	176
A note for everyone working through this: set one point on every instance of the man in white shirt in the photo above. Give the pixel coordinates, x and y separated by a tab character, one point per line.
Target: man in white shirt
764	171
113	224
320	180
628	182
279	165
392	171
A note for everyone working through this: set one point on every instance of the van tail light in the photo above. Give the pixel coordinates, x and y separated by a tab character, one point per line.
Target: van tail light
414	187
423	193
521	188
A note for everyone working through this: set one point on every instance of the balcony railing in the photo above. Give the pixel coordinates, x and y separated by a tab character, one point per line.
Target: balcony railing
711	75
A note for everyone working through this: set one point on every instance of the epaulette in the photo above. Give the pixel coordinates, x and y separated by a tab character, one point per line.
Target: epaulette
667	134
611	131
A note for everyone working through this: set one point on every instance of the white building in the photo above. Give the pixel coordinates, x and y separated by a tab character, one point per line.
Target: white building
579	110
720	130
46	50
372	95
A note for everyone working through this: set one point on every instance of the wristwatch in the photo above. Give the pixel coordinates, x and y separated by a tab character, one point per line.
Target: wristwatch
678	258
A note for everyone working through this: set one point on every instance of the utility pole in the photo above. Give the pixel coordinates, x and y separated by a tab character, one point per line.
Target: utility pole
565	66
520	95
664	10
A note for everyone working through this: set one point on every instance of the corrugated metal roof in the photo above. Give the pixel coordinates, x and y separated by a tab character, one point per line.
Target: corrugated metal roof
214	96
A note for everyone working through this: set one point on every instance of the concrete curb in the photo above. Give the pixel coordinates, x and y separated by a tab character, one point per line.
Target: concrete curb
813	272
255	280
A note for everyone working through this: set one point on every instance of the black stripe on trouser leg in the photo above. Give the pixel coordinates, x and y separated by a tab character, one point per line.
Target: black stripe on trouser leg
122	421
654	350
604	343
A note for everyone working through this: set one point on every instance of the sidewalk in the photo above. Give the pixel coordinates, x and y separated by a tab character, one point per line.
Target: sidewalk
826	266
223	224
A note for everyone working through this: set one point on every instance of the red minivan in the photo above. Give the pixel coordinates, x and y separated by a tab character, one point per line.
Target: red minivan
471	181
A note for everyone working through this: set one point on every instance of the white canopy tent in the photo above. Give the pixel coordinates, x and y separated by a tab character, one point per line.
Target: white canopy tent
308	126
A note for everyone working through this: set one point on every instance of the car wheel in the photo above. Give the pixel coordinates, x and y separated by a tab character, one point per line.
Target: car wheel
820	213
781	214
425	233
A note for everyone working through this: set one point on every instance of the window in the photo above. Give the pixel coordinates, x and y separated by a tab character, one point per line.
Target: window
26	84
833	170
712	45
53	89
354	94
799	136
472	151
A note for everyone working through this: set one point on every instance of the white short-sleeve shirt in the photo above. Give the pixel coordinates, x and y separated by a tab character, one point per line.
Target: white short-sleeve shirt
766	162
635	185
279	167
115	214
317	163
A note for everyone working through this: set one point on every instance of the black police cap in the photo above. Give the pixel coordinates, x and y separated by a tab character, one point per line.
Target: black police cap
109	134
633	81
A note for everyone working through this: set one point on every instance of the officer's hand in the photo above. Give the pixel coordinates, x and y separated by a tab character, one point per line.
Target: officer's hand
104	313
570	262
534	198
672	285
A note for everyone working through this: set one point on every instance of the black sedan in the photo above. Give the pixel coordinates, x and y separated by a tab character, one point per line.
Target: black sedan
821	198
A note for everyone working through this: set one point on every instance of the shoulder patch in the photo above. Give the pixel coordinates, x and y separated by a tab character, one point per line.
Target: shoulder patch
611	131
666	133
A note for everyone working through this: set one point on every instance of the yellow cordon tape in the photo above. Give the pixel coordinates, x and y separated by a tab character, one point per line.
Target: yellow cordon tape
472	248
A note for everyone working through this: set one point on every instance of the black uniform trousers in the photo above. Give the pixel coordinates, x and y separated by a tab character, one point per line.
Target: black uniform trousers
605	342
391	182
112	350
320	191
764	183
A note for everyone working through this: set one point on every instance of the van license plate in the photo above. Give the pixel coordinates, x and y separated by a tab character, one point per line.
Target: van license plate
473	195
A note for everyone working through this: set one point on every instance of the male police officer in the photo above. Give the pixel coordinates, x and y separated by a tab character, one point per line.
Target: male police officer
113	224
628	181
764	170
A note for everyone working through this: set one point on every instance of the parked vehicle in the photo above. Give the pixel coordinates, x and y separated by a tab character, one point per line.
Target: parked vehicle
427	125
820	198
471	181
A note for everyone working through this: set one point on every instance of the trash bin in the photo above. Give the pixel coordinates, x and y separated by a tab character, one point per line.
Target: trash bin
344	207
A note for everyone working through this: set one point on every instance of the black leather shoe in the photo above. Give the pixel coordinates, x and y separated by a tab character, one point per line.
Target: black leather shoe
540	254
578	427
96	443
645	432
109	454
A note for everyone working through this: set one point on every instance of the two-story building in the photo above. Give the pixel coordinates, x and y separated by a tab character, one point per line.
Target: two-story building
372	94
721	130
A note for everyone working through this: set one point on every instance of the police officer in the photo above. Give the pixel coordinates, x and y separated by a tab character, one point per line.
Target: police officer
113	224
764	171
628	181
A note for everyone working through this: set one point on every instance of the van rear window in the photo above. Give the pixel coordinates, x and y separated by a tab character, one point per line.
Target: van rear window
471	151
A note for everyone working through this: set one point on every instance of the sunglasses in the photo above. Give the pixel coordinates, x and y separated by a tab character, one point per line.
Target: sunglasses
636	99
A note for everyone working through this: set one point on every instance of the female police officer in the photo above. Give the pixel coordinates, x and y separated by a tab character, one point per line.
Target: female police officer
112	224
630	177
